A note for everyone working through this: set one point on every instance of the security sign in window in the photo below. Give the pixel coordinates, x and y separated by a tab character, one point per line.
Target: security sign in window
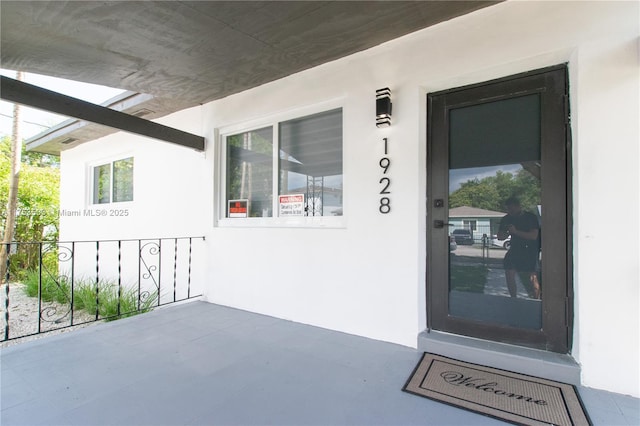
238	208
291	205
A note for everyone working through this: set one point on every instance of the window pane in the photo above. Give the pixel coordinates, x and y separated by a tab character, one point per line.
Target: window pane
101	184
123	180
485	134
310	161
250	170
495	196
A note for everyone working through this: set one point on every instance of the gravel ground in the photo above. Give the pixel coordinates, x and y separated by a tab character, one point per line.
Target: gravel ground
23	316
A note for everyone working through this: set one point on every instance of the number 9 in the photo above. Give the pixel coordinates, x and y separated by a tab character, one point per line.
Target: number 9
385	163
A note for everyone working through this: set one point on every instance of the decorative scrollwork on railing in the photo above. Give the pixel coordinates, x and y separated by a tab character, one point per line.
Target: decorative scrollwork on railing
50	313
57	310
150	260
151	269
153	248
65	254
147	299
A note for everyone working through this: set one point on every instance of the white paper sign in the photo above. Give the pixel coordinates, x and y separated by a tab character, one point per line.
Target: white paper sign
291	205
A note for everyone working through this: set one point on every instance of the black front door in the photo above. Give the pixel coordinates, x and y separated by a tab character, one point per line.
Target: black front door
499	252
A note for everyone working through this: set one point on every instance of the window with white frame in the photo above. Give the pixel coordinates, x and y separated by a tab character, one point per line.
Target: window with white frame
300	160
250	172
113	182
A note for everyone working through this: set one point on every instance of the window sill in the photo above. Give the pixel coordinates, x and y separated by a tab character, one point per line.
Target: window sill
110	203
284	222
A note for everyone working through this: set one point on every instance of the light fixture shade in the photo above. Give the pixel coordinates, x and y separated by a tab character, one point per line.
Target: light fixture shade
383	107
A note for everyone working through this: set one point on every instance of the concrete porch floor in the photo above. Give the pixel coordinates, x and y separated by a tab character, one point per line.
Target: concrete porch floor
204	364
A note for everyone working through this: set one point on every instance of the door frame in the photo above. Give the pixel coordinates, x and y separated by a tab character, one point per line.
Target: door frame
557	295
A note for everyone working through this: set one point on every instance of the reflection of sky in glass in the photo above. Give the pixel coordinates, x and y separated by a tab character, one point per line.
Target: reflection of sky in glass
459	176
285	156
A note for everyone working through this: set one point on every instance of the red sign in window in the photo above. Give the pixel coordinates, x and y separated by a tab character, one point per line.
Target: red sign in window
291	205
238	208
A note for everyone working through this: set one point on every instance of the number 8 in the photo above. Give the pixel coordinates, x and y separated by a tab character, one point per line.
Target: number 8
385	205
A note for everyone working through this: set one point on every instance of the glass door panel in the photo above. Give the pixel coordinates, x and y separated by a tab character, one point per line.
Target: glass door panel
494	212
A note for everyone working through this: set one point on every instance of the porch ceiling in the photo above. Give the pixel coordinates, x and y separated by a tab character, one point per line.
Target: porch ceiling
187	53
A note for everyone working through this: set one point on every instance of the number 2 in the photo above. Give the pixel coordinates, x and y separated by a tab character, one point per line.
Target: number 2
386	187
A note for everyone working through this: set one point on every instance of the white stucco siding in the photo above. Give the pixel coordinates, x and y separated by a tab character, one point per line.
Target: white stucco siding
311	276
606	199
170	200
365	273
166	190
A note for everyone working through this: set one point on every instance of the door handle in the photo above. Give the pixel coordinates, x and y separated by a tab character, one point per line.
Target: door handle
441	224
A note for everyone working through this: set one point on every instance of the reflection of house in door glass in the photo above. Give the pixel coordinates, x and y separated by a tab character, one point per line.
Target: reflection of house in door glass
490	161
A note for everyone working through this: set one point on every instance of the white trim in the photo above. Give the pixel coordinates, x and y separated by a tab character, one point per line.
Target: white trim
283	115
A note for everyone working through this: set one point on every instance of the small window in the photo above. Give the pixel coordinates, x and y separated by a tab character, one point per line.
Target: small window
470	225
304	168
113	182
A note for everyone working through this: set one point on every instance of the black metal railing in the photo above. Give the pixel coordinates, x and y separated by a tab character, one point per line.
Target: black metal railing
50	285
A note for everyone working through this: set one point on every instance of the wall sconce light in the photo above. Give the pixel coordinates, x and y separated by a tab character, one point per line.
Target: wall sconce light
383	107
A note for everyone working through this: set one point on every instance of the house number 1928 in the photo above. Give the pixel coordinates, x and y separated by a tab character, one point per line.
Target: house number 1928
385	162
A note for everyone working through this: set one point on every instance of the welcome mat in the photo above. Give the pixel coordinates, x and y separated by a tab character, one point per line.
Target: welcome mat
513	397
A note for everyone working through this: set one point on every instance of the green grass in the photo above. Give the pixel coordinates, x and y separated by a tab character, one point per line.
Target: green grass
113	303
469	278
52	290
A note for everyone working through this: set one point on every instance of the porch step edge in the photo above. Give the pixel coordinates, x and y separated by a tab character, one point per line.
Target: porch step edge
533	362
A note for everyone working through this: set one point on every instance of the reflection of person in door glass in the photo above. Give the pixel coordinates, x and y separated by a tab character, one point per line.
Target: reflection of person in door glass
524	252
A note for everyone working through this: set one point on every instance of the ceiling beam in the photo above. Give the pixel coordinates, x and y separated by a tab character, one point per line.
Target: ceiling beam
27	94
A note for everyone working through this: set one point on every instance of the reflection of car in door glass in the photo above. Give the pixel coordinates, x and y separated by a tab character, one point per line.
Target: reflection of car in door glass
505	244
463	236
452	243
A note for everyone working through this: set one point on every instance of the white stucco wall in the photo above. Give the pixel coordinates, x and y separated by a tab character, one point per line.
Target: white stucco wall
170	201
364	273
165	190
